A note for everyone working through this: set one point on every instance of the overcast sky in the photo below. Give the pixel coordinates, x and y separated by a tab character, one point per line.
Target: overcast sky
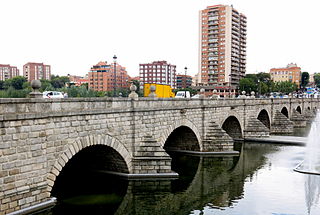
73	35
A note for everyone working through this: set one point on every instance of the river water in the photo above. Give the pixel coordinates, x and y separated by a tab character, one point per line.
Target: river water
261	181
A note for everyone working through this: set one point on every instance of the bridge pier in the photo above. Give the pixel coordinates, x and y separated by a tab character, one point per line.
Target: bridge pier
298	119
255	128
281	124
150	160
217	140
309	115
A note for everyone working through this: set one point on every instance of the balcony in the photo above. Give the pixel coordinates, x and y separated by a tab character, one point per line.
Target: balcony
213	40
213	18
215	13
213	63
213	49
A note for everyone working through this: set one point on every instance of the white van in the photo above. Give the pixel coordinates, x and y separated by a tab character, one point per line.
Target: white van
52	94
183	94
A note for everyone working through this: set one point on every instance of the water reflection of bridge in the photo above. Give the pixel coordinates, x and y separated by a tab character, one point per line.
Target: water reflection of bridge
218	182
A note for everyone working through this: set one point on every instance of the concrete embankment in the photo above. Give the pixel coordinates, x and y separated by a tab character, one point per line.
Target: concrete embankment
286	140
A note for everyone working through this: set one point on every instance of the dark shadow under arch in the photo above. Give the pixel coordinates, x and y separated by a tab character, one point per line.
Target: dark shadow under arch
299	109
87	173
285	112
264	118
232	126
182	138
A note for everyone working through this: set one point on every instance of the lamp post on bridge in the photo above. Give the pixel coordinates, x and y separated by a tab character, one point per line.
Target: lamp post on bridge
229	85
115	75
259	88
185	81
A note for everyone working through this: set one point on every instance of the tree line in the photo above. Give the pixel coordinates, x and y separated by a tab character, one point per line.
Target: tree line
19	87
262	84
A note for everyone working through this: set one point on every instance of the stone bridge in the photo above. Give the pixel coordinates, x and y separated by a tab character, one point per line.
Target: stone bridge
40	137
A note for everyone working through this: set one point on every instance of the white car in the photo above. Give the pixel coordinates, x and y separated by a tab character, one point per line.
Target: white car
52	94
183	94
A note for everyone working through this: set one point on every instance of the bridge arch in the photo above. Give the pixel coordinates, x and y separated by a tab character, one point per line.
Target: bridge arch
299	109
285	112
233	127
181	126
79	145
264	117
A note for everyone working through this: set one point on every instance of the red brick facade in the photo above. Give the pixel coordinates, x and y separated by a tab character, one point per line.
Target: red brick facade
36	71
7	72
101	77
158	72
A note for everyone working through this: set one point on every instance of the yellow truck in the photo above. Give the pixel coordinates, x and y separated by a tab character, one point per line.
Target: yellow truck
162	90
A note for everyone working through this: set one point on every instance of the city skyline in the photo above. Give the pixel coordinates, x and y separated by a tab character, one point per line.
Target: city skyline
71	39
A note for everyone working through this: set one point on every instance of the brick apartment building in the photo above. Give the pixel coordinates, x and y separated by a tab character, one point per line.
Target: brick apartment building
222	47
78	80
158	72
184	81
7	72
290	73
101	77
36	71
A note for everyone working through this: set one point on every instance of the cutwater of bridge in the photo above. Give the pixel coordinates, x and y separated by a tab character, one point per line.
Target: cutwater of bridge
40	138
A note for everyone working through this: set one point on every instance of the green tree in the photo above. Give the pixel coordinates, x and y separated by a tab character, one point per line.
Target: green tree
317	79
304	79
260	83
264	88
137	84
27	85
46	85
59	82
253	77
248	85
13	93
2	85
284	87
264	77
16	83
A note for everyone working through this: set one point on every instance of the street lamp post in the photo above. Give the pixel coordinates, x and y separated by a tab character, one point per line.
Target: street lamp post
259	88
114	75
185	81
229	85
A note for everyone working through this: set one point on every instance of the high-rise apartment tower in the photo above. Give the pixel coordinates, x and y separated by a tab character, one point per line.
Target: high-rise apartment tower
222	47
36	71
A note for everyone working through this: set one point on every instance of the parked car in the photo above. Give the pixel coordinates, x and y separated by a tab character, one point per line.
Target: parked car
196	96
183	94
52	94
